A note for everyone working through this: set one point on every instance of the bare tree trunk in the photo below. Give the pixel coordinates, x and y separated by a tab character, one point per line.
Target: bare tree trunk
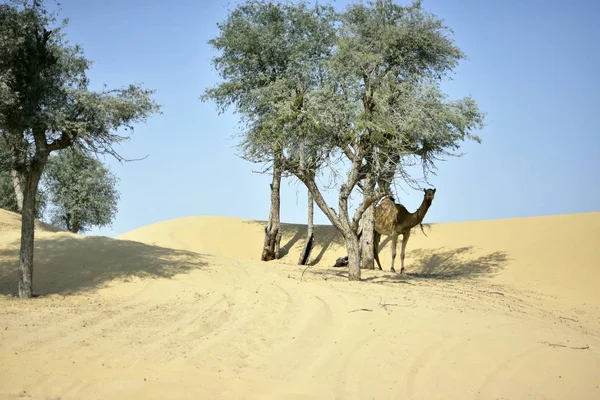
368	228
29	184
366	240
272	230
341	222
17	185
308	246
353	257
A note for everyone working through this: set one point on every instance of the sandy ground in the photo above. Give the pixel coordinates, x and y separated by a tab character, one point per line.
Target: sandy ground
184	309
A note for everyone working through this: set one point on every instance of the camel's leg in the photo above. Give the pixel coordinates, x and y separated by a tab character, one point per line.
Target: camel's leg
376	238
403	252
394	242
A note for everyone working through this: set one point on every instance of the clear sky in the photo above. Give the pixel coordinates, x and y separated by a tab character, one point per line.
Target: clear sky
532	67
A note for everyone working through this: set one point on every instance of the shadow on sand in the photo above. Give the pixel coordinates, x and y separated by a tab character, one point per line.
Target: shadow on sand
440	264
455	263
291	234
68	265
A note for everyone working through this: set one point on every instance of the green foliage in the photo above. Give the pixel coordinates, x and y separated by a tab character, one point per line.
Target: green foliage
45	102
269	53
369	91
392	59
82	191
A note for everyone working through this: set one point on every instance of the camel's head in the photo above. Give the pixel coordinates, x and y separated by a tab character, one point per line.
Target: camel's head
429	194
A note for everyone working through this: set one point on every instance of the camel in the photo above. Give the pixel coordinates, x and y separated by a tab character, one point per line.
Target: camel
392	219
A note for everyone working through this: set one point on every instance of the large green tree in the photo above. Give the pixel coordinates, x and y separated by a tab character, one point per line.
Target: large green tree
46	105
399	55
373	103
81	190
265	51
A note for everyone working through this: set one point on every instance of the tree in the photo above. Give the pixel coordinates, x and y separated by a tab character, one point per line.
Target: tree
46	105
369	105
82	191
398	55
262	47
389	62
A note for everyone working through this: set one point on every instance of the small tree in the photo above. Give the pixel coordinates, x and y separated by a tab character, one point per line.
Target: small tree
46	106
82	191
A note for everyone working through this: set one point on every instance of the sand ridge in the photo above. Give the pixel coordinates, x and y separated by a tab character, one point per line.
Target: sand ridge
183	309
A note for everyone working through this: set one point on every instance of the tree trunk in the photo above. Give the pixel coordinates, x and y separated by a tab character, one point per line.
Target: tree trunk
17	185
305	255
75	226
366	240
368	227
341	223
29	185
353	257
272	230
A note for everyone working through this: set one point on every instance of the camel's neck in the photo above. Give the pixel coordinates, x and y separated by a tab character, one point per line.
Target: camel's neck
417	216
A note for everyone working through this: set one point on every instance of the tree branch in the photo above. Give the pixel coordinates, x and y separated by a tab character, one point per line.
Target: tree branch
62	142
318	197
367	202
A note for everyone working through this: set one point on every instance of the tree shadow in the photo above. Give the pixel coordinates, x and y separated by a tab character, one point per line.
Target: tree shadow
439	264
455	263
325	236
341	274
287	231
70	264
328	272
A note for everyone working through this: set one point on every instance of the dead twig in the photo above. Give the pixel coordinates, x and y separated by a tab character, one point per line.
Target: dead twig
562	345
386	305
423	230
570	319
301	276
360	309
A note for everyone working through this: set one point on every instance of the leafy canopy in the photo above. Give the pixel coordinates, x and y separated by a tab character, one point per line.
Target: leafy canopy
368	93
268	52
45	100
82	191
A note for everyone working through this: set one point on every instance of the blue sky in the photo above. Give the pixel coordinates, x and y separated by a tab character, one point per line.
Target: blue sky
532	67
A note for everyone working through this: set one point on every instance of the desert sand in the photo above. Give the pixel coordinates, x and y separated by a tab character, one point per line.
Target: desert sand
184	309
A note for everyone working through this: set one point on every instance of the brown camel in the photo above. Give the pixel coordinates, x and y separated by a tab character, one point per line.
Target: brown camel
392	219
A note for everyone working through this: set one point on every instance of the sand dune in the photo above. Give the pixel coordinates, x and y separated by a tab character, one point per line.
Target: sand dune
183	309
554	254
237	238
